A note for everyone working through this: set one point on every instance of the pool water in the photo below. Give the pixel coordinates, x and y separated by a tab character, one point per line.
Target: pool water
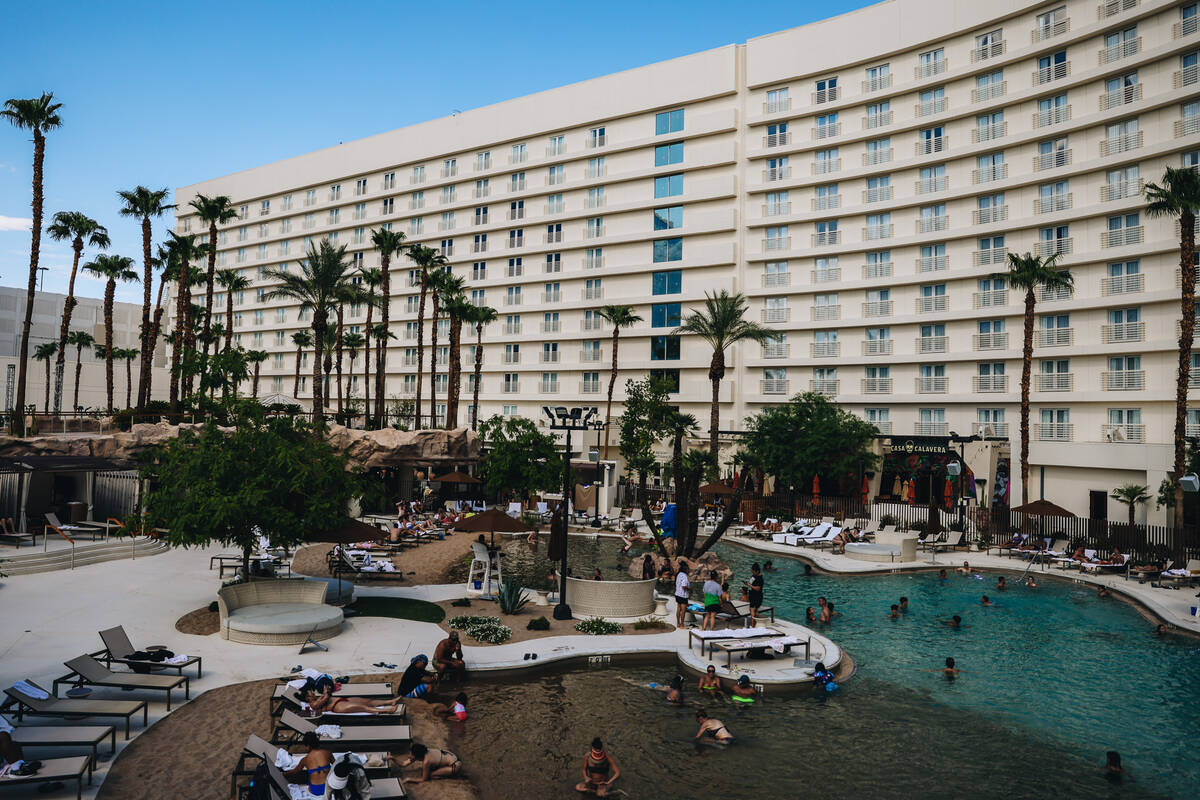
585	553
1053	678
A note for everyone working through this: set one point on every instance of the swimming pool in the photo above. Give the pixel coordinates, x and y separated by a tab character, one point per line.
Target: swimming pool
585	553
1053	678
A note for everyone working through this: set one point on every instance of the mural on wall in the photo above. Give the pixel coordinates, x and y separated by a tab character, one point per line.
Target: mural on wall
1000	488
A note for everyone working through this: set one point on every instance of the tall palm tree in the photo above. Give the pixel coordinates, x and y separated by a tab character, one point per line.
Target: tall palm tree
371	279
457	309
302	339
441	285
112	269
231	282
426	258
1178	195
167	274
255	357
721	323
482	315
40	116
128	354
44	352
181	252
79	340
80	230
619	317
353	342
1030	272
317	284
216	210
1132	495
389	243
143	204
382	336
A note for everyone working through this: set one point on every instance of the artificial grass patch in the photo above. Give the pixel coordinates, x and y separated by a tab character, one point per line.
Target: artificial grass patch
397	608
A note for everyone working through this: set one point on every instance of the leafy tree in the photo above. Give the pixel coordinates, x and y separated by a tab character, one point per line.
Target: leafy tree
645	422
231	282
458	309
112	268
143	203
39	115
619	316
809	435
78	229
273	477
1132	495
371	280
519	458
181	251
443	284
1178	195
216	210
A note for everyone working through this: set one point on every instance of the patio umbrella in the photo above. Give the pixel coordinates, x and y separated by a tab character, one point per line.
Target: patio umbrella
912	492
715	488
816	487
866	490
949	495
897	488
492	520
349	532
456	477
1043	508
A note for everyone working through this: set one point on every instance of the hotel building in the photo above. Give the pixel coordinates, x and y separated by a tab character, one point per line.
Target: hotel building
859	179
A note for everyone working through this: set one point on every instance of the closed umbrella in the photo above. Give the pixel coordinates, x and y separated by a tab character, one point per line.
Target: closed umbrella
912	492
897	488
949	495
866	489
816	487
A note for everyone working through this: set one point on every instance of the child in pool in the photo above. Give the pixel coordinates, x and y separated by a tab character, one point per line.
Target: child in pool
457	709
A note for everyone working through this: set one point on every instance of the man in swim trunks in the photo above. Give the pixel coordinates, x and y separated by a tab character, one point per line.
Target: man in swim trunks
600	770
435	763
448	657
712	727
743	691
710	684
414	683
314	767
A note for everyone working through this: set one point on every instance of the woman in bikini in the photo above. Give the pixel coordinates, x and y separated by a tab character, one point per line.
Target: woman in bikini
315	765
710	684
435	763
599	770
712	727
326	703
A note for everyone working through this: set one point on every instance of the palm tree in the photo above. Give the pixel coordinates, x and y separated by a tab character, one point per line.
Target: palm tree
80	340
482	315
302	339
231	282
1179	196
721	324
78	229
371	278
39	115
144	203
619	317
439	282
426	258
382	335
128	354
1030	272
352	342
162	262
43	352
388	243
215	211
181	252
112	269
457	309
317	285
1131	495
255	357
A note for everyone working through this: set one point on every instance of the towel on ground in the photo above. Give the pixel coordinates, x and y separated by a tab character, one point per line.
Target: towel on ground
287	761
25	687
177	659
330	731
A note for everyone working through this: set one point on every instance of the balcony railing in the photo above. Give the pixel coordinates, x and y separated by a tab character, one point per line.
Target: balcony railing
825	349
992	50
548	387
1048	31
599	140
1122	143
1054	381
825	238
593	324
931	384
930	68
1188	126
1060	201
927	107
826	166
937	183
1125	49
987	133
589	387
777	173
986	216
591	355
777	243
989	429
826	131
824	386
932	263
995	172
877	194
877	83
551	326
826	95
877	347
877	308
989	383
873	233
1122	284
1050	294
1054	160
549	357
1123	433
1114	7
877	269
1050	247
1053	72
1123	380
1055	337
1053	431
991	256
826	312
770	279
1120	97
776	209
774	385
593	292
932	344
1120	237
1185	27
777	139
827	275
776	350
1121	189
989	92
877	120
932	224
1051	116
990	299
777	106
930	428
826	202
552	297
880	155
1115	332
516	213
776	314
512	358
997	340
927	305
876	385
930	145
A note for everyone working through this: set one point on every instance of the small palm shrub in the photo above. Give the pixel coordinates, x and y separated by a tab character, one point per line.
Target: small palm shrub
511	597
538	624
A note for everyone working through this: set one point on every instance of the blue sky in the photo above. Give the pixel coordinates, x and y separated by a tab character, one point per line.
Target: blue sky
168	94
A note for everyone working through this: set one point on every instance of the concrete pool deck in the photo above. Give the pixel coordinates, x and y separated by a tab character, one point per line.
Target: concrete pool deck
1172	606
55	616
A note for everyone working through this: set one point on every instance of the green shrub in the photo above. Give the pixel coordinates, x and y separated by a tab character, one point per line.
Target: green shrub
462	602
483	629
888	519
597	626
511	597
539	624
650	624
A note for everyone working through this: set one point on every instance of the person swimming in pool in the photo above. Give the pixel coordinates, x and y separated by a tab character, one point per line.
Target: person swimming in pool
769	566
743	691
674	689
965	569
1112	770
953	622
710	684
985	601
1001	584
1030	583
942	575
810	614
823	677
713	728
903	605
895	612
950	670
1104	592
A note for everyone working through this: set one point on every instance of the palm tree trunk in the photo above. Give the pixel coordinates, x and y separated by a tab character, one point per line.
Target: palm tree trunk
254	383
454	374
420	346
60	359
177	340
1026	369
128	382
229	320
612	383
47	403
319	326
78	369
39	157
144	377
209	280
727	518
433	337
385	300
296	383
716	372
1187	330
366	369
155	329
109	292
338	347
478	375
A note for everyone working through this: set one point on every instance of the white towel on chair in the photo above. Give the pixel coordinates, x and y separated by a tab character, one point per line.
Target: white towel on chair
300	792
330	731
177	659
28	688
287	761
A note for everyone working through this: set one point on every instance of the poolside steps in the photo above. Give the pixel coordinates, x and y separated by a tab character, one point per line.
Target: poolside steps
28	563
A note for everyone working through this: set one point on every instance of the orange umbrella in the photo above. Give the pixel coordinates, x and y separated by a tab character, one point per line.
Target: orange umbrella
912	492
866	489
949	494
816	487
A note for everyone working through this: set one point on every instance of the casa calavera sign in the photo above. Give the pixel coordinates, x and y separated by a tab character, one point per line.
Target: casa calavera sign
922	446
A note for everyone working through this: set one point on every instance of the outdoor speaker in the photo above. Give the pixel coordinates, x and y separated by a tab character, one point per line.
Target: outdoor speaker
953	469
1190	483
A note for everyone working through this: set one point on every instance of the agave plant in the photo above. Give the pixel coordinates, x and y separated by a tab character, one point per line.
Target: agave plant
511	597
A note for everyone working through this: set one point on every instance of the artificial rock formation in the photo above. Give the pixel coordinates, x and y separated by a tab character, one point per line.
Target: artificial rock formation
705	563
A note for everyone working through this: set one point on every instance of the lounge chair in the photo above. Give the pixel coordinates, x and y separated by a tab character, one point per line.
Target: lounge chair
56	769
292	726
85	669
10	534
953	539
118	648
345	565
348	689
75	528
1190	572
927	541
65	736
1098	567
729	647
258	748
381	788
291	698
70	707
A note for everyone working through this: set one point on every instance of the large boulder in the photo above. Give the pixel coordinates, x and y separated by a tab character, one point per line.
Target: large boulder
704	564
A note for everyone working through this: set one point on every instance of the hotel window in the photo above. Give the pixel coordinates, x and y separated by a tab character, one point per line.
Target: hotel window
931	101
596	167
878	189
879	151
668	217
242	232
670	377
262	252
553	262
1055	240
668	122
879	226
777	169
418	174
483	160
777	100
416	225
284	247
595	197
518	154
360	186
990	208
285	203
449	194
826	161
555	175
516	267
777	134
777	203
879	77
480	243
516	209
879	114
989	85
1050	23
665	154
668	250
931	62
827	125
552	292
310	198
988	45
1051	67
417	200
512	296
826	197
511	382
668	185
554	233
483	187
776	238
449	167
389	181
516	182
264	208
664	348
333	238
481	215
557	145
335	193
595	225
447	223
479	271
826	90
668	282
593	258
447	247
360	210
596	137
665	315
554	204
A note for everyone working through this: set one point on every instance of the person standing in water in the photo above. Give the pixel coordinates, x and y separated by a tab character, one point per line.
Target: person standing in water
600	770
709	684
712	727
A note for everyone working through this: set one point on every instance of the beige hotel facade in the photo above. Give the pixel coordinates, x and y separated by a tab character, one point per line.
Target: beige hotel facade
859	179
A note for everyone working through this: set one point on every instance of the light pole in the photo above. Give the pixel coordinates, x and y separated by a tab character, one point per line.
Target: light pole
567	419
